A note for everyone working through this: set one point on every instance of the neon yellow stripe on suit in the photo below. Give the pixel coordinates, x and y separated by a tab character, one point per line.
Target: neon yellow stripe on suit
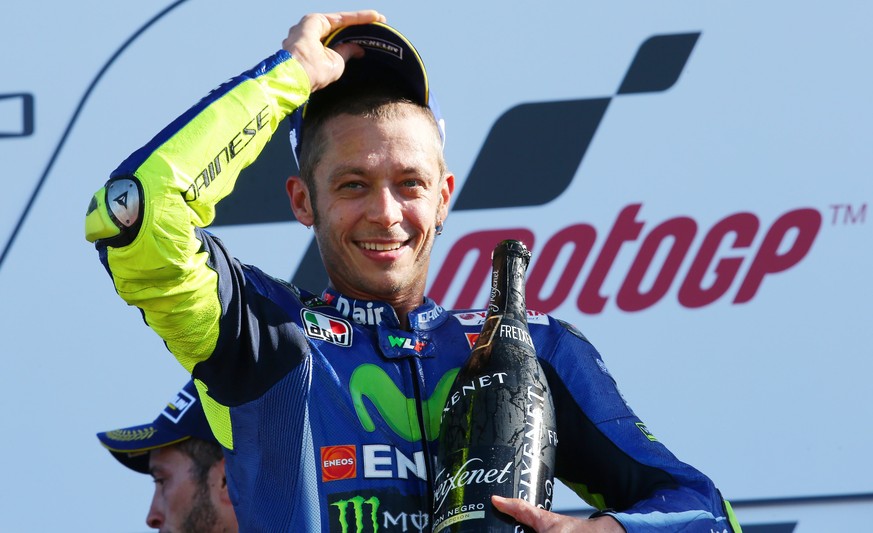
162	271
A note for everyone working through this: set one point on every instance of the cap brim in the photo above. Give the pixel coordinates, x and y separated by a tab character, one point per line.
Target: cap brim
181	419
131	446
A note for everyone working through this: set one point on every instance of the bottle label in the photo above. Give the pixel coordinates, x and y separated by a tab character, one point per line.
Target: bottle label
505	330
464	487
539	442
515	332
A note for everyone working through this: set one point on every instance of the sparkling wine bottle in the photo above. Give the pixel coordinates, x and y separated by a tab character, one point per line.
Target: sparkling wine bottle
497	434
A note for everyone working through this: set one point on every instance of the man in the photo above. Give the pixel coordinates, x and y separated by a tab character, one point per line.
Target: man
329	406
186	462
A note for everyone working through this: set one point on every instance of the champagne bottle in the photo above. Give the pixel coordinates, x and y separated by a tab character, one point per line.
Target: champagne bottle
497	434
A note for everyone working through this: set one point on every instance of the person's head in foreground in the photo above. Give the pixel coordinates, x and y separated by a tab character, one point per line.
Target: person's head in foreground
186	463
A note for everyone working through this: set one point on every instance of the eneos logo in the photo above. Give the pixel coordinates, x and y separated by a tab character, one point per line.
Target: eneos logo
339	462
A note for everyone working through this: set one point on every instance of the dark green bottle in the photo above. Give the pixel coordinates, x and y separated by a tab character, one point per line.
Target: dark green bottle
497	434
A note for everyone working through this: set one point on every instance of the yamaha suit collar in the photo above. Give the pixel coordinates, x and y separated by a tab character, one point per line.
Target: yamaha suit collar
425	317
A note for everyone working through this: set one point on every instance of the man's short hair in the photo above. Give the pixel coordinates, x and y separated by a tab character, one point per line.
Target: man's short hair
390	67
379	103
203	455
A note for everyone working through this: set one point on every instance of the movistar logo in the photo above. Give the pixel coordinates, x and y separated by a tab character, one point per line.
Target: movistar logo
357	505
398	411
405	342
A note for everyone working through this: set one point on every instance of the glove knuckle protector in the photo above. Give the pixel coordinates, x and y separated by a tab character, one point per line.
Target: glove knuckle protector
115	213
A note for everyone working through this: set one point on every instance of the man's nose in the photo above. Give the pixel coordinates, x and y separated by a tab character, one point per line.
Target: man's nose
155	518
384	207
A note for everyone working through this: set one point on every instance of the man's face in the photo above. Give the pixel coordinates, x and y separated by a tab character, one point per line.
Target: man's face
180	504
379	195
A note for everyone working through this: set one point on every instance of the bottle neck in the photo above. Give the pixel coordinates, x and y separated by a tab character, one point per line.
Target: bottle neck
507	306
507	281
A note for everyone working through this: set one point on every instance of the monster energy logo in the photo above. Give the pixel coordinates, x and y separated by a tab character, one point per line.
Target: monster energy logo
357	505
398	411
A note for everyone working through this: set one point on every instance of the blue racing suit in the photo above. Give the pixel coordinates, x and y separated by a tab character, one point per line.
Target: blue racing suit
327	409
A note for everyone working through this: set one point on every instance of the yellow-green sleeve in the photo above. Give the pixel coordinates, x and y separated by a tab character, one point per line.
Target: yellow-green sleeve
151	248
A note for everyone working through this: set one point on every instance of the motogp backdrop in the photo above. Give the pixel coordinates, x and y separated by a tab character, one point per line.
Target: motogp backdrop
693	180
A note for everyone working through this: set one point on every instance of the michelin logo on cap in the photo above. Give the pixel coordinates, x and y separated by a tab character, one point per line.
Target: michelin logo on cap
377	44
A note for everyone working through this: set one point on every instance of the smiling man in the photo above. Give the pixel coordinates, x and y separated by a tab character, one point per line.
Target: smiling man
379	191
328	405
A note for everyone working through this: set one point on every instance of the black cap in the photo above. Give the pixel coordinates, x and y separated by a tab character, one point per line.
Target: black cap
389	61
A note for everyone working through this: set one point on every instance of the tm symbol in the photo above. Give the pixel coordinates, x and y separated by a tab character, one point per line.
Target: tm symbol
848	214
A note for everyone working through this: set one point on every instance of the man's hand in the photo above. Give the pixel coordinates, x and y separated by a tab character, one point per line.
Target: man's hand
547	522
322	64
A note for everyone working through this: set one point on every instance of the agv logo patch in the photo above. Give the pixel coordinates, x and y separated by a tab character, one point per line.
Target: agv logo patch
322	327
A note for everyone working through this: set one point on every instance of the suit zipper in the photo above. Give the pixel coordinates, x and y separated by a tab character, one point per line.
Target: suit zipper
428	460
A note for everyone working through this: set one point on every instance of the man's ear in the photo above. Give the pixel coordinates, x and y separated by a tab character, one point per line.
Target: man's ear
301	200
223	493
446	190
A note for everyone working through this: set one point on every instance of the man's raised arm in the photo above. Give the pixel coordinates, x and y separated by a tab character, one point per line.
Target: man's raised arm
145	219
